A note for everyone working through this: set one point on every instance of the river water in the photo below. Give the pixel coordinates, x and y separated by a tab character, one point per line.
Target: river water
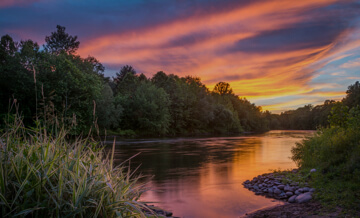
202	177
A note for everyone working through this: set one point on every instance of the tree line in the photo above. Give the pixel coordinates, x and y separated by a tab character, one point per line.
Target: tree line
54	83
311	117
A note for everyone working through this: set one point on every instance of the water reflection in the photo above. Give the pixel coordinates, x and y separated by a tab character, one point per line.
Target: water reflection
201	177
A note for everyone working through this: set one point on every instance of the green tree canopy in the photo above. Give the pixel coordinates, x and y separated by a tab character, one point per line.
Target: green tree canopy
352	95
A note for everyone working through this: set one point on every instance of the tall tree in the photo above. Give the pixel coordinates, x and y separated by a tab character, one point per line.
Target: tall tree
61	41
120	76
223	88
16	81
352	95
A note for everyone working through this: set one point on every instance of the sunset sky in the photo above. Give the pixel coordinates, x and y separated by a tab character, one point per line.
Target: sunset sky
279	54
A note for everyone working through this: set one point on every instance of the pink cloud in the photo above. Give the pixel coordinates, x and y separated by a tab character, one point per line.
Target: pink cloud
9	3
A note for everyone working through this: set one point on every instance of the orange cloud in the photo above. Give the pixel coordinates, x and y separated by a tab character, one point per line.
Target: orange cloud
200	46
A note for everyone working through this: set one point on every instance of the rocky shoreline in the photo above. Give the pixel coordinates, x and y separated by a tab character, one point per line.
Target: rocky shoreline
278	186
297	196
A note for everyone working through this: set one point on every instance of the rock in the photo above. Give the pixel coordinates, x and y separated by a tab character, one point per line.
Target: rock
292	199
306	189
260	186
277	191
159	212
288	189
312	170
301	190
281	187
283	195
312	190
303	197
297	192
247	181
289	194
270	190
168	213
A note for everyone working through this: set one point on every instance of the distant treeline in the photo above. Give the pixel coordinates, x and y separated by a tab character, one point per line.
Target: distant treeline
311	117
54	82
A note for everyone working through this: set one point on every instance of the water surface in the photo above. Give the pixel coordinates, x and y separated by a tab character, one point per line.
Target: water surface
202	177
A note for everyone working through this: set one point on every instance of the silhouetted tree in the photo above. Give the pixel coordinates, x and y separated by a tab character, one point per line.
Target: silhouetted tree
123	72
61	41
223	88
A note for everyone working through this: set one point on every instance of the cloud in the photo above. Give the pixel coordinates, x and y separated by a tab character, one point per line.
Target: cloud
351	64
354	77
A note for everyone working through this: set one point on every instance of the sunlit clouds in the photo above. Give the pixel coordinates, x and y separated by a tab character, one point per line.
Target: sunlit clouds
275	53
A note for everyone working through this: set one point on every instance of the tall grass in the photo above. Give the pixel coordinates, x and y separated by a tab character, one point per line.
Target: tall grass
45	175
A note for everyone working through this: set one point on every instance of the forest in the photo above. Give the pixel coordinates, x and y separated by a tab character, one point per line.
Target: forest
53	81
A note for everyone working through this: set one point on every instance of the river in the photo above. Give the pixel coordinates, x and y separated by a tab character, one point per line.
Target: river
202	177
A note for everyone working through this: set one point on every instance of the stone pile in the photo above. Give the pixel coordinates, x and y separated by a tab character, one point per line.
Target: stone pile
270	185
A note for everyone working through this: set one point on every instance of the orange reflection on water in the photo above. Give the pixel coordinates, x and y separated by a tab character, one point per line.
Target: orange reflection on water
202	177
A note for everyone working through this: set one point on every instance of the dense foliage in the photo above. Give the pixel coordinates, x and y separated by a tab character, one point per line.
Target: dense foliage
55	81
335	153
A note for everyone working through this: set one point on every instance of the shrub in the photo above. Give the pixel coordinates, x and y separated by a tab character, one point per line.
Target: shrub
335	153
332	149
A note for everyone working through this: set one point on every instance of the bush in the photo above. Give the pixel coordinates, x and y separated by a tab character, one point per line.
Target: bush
335	153
44	175
332	149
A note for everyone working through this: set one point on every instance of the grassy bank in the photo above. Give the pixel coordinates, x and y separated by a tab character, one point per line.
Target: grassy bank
335	153
45	175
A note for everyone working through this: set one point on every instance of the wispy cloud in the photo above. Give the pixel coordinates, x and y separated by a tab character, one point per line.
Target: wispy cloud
261	48
351	64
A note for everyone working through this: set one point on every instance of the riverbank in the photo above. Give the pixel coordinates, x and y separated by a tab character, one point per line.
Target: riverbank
292	187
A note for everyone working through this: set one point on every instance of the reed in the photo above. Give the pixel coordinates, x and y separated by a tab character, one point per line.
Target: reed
43	174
